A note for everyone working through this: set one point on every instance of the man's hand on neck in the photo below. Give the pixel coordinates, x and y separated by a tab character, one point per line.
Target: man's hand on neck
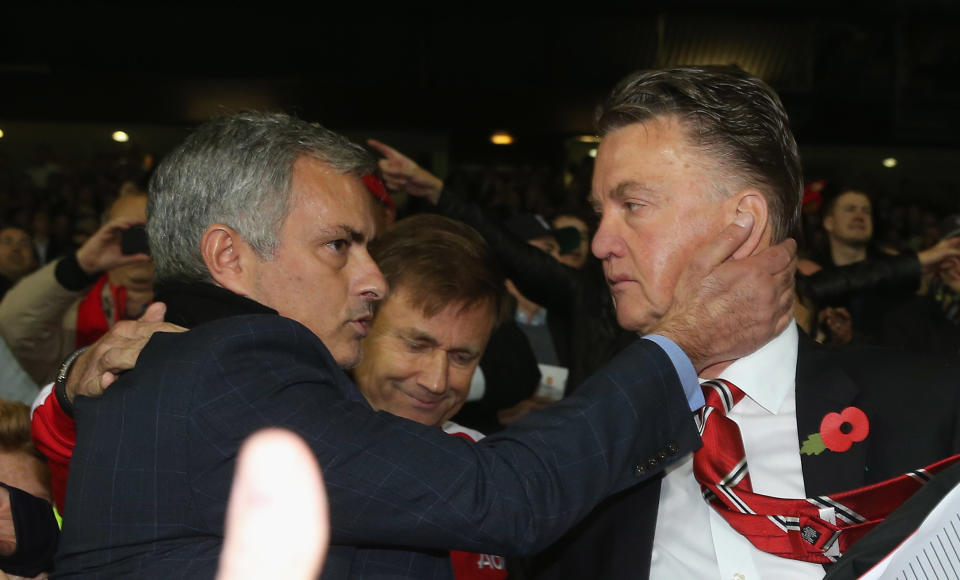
725	309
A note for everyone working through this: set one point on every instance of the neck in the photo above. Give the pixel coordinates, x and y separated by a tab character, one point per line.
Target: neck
713	371
844	254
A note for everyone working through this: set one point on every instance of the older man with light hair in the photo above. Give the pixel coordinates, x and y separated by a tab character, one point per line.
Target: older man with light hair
683	152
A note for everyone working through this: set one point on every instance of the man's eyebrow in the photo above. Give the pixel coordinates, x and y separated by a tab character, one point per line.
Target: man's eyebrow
354	235
466	350
418	335
622	189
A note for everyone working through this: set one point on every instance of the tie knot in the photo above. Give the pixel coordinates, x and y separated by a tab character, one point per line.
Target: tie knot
721	395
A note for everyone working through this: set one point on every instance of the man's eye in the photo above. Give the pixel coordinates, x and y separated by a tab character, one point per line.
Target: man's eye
338	245
632	206
463	358
416	346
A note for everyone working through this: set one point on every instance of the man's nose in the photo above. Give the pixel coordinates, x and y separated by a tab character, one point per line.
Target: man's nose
433	373
372	285
606	242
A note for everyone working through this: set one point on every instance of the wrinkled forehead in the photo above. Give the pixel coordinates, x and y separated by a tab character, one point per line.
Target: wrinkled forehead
667	135
852	198
329	198
656	161
405	299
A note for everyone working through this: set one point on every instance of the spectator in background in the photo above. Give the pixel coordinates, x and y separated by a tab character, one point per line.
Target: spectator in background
931	322
848	221
864	282
16	257
543	333
574	250
534	230
45	246
55	310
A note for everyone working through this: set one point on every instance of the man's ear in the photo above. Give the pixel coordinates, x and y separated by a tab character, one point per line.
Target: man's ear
227	257
755	203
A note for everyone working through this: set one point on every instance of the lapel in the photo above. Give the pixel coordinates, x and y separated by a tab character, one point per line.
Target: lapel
822	387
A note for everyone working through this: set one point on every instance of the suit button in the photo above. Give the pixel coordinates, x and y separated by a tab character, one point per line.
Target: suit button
640	469
661	455
652	462
672	448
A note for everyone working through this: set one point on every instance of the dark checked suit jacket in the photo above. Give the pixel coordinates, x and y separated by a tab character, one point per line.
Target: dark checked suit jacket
911	400
151	470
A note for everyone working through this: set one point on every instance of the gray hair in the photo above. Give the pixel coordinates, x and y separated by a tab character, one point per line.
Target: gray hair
235	170
732	116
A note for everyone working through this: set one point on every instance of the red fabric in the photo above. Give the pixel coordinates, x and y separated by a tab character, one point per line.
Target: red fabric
54	434
375	186
789	528
92	321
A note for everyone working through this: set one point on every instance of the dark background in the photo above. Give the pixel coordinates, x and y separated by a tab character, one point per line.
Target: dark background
861	81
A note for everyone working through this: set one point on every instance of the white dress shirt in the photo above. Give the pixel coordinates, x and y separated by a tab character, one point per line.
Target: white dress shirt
691	539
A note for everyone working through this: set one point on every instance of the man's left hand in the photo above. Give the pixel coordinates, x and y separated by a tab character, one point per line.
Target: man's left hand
116	351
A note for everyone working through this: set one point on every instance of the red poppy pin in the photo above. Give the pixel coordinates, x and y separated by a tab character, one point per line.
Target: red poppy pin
838	432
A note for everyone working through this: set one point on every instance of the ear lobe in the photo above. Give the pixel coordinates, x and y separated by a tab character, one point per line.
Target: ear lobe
225	253
753	202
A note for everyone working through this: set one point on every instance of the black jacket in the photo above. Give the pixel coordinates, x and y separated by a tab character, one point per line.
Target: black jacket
154	458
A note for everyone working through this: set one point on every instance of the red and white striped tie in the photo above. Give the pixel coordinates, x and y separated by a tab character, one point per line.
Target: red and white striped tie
790	528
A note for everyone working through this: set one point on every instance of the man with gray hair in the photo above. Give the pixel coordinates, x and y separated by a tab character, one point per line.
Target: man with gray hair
259	226
682	152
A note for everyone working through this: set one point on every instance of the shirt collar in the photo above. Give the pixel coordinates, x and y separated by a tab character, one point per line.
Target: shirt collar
767	375
190	304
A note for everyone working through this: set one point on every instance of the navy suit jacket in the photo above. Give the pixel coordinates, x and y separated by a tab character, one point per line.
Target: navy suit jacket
911	400
152	467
